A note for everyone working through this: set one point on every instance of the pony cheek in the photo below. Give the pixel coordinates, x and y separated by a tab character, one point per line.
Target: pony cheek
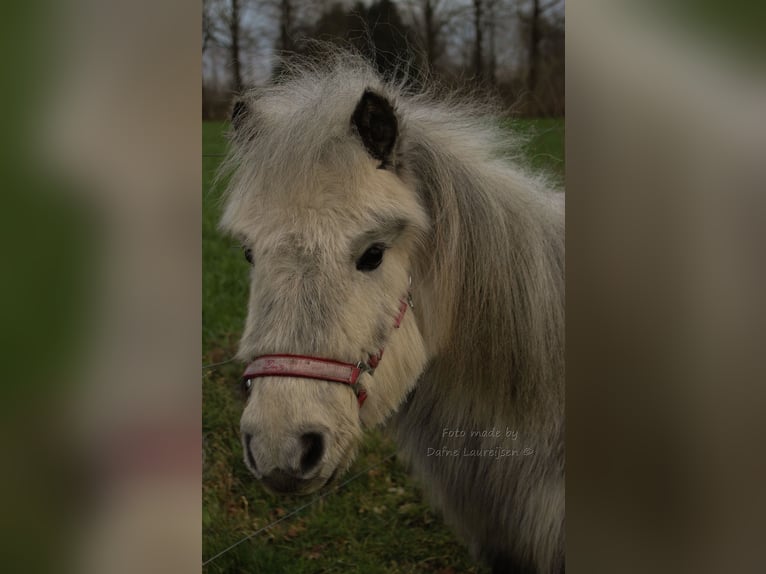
404	361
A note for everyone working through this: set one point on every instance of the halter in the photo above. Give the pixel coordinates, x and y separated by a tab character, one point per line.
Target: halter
321	369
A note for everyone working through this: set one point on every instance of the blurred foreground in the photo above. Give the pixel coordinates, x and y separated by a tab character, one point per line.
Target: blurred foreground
101	300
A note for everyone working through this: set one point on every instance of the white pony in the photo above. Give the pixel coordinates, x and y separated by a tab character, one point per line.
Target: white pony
353	200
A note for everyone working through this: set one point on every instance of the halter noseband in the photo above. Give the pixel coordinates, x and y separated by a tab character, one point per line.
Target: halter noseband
306	367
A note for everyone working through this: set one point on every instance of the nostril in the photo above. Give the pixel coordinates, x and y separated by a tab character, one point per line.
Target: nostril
313	449
249	452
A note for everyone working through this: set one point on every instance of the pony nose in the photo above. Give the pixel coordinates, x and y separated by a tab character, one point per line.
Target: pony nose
297	463
287	481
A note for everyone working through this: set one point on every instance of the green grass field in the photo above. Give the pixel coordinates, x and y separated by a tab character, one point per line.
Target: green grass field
377	523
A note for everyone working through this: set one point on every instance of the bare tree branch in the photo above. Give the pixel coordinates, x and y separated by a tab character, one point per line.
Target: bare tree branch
433	21
544	8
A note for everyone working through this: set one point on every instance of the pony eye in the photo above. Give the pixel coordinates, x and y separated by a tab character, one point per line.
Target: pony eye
371	258
248	254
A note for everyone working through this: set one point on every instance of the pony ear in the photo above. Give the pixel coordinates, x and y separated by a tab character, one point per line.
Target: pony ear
375	120
239	114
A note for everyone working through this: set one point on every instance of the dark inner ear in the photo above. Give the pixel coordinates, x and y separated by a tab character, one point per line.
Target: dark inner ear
375	120
239	114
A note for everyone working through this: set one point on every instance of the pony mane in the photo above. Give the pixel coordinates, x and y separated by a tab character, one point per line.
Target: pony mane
495	260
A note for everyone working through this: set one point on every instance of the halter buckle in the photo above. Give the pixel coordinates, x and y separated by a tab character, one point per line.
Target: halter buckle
365	367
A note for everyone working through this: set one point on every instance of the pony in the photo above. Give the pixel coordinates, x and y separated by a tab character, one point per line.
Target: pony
378	217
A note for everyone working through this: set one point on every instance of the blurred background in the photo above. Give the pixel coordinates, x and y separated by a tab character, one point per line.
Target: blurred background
512	48
102	170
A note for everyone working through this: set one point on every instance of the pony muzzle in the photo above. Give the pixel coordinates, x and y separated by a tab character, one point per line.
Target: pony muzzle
298	463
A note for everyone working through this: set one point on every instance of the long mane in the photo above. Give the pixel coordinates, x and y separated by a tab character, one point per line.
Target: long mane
496	256
492	310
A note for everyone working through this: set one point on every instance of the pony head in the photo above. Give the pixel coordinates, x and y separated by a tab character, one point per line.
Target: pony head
332	234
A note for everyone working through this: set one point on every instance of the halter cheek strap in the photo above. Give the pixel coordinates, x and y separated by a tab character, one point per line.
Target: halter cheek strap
318	368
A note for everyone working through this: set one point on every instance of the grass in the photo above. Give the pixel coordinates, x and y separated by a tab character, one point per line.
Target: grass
545	146
379	522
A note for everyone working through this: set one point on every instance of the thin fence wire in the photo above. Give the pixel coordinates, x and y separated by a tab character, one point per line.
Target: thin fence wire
214	365
298	509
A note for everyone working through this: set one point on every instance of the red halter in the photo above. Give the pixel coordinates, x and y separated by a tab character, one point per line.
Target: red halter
285	365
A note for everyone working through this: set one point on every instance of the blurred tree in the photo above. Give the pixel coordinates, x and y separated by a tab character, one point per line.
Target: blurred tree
492	23
533	22
478	46
224	30
293	18
225	40
377	31
551	66
487	17
337	23
391	41
208	26
433	21
286	25
514	46
236	62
